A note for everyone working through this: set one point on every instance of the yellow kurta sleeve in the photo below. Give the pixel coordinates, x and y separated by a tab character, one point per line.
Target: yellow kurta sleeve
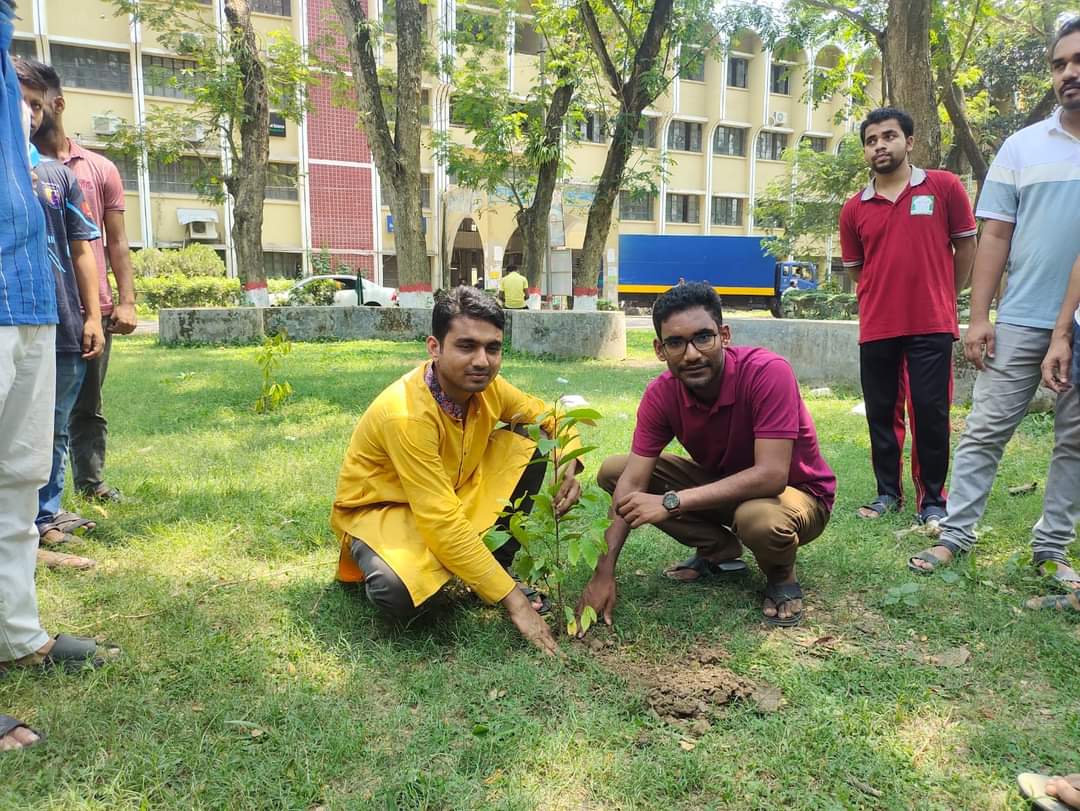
413	447
519	407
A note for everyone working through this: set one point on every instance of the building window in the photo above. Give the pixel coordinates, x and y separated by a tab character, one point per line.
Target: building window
768	214
683	208
475	28
425	107
169	77
646	133
23	49
425	191
456	119
729	141
738	69
527	40
280	8
278	128
816	142
180	176
281	181
92	68
282	265
635	206
781	79
128	167
685	136
771	145
693	66
727	211
592	127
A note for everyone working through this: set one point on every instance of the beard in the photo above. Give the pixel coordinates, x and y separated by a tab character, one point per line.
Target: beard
885	167
1073	102
45	128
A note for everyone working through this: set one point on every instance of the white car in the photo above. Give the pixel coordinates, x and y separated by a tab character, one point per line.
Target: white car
374	295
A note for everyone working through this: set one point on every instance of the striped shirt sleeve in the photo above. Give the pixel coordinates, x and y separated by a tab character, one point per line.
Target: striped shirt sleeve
961	218
1000	196
851	248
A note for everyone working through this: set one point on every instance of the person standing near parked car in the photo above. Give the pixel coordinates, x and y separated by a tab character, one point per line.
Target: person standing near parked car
908	241
104	191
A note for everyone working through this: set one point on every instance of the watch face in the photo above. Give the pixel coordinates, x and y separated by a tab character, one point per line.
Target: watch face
671	501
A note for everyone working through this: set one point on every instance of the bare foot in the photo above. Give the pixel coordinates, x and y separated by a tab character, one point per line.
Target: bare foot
943	552
18	738
787	608
866	512
1066	789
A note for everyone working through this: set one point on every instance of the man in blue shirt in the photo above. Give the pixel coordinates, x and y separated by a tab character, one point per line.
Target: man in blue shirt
28	320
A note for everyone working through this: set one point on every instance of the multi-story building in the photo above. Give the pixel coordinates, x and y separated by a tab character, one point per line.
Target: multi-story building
720	130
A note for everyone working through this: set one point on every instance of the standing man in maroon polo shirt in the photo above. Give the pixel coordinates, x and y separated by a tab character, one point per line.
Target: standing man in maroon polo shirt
908	240
755	476
104	191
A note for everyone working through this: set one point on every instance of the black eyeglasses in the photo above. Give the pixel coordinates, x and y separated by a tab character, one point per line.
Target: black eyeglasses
703	342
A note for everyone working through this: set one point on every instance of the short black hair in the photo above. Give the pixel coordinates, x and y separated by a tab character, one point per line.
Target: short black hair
686	297
1071	26
907	123
467	302
38	75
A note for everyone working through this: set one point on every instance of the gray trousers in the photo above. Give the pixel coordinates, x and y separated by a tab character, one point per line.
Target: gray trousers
1002	394
87	427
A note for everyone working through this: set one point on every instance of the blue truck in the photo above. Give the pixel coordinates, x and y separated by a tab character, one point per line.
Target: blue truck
741	271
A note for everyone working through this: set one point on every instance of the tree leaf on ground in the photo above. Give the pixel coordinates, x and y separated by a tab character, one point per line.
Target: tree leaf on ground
1023	489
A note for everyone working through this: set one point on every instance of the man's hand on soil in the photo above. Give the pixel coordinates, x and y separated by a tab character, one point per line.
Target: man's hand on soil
600	594
641	508
530	624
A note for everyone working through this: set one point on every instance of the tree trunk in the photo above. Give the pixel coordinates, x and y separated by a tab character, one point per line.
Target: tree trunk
633	98
396	156
910	76
952	98
247	177
534	220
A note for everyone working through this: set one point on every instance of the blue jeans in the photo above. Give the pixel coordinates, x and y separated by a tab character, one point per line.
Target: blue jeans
70	372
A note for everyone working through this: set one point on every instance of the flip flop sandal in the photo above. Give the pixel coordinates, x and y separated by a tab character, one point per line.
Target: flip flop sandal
1057	602
879	506
73	653
780	594
1058	576
1033	787
705	568
9	724
930	517
61	560
105	493
934	561
65	527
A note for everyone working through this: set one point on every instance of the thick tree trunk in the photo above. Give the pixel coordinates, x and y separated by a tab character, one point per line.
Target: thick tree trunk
247	177
396	156
910	77
633	98
534	220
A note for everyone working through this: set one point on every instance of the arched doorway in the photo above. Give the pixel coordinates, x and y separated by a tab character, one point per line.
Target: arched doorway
467	255
514	255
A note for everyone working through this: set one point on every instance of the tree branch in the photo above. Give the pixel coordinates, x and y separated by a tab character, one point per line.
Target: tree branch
600	47
855	18
619	18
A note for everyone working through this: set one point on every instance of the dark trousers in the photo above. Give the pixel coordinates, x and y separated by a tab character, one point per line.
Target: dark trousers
87	428
388	593
920	367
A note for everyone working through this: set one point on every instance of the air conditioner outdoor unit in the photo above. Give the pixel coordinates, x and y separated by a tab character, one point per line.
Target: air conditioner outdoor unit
197	229
105	124
195	134
779	118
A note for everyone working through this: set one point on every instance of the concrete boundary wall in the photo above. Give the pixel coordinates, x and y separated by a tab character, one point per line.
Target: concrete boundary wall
559	334
827	352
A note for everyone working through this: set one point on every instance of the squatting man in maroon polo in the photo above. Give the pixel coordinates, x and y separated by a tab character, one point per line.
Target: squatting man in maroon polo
755	476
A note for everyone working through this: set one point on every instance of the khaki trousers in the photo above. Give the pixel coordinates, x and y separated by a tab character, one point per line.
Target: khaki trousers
771	528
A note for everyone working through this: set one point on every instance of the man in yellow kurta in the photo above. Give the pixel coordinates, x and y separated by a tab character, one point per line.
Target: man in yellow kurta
427	473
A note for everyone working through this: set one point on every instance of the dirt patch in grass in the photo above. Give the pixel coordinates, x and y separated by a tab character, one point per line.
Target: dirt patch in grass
690	691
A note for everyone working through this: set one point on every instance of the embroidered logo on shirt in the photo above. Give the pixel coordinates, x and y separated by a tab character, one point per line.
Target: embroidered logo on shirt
922	205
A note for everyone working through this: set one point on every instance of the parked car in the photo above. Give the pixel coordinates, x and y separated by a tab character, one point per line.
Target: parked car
345	296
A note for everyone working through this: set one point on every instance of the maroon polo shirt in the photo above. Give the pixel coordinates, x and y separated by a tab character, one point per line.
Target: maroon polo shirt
904	248
759	399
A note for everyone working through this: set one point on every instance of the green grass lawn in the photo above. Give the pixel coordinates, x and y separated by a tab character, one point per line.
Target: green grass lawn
250	680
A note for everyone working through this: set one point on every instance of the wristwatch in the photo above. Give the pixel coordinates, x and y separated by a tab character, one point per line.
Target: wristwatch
671	501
